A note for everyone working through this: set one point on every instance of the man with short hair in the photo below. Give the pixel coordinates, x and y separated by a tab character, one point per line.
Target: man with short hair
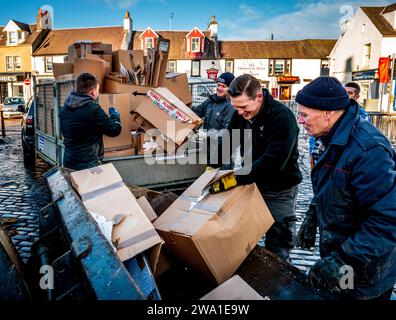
274	155
353	90
354	184
83	123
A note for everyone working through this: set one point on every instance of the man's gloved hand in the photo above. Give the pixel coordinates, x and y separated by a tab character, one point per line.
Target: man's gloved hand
113	112
307	233
326	273
225	183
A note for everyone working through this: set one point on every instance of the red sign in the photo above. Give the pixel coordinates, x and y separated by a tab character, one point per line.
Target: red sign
212	73
383	70
275	93
27	82
288	79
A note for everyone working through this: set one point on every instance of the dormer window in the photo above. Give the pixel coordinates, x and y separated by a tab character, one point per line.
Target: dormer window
195	44
12	37
149	43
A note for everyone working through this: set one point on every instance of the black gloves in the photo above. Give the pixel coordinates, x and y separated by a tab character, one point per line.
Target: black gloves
326	273
307	233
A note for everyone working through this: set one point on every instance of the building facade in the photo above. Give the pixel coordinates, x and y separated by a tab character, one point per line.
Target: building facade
368	36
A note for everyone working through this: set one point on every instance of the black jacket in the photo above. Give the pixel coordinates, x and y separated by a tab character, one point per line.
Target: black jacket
83	123
274	133
216	112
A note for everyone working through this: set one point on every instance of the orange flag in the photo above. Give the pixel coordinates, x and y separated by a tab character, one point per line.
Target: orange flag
383	70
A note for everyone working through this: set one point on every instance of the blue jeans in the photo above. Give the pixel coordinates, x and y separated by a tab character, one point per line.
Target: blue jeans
281	237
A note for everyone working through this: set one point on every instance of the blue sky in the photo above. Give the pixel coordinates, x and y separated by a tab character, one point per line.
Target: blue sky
248	20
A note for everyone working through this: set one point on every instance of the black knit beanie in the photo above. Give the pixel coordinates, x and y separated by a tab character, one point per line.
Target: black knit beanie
324	93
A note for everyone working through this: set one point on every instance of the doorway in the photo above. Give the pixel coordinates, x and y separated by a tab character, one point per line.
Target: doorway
285	92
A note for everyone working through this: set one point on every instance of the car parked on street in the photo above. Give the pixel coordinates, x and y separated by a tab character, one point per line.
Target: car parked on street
27	135
13	107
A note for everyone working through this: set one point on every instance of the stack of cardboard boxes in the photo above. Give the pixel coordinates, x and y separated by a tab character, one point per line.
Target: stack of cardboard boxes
133	84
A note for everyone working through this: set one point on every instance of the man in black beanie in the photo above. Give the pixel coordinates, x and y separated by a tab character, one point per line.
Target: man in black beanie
217	110
354	203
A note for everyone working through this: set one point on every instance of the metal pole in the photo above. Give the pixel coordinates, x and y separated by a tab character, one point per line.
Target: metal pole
2	124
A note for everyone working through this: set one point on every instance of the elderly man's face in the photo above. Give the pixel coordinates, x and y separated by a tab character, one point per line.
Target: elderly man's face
316	122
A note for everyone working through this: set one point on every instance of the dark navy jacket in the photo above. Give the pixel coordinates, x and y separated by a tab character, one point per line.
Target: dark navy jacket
216	112
83	123
354	184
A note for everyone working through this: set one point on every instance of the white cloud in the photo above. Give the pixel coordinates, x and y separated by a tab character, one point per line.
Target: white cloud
309	20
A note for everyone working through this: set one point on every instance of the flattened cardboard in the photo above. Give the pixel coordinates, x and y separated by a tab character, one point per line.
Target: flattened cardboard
177	83
171	128
121	103
60	69
81	49
103	191
120	153
219	232
96	67
234	288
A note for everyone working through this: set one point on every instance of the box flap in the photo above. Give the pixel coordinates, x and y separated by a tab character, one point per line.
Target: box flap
234	288
93	179
147	208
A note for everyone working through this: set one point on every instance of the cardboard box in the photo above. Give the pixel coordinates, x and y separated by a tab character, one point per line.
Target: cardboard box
234	288
60	69
120	153
121	103
96	67
218	233
103	191
174	120
177	83
82	48
106	57
137	92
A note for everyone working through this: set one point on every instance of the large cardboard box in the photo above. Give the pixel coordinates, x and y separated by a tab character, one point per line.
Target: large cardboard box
137	92
61	69
234	288
121	103
169	115
177	83
96	67
217	234
106	57
103	192
82	48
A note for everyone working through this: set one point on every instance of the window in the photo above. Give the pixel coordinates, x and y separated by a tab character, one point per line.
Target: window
366	55
195	68
149	43
48	64
279	67
172	66
17	62
229	66
20	36
324	68
13	63
195	45
12	37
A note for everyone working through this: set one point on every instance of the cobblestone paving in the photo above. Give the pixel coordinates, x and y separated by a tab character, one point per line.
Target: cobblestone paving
22	194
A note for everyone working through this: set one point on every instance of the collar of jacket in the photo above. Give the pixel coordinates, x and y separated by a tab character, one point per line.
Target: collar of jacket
266	107
217	99
345	125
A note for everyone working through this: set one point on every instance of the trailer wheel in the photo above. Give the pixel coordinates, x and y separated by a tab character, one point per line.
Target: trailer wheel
29	158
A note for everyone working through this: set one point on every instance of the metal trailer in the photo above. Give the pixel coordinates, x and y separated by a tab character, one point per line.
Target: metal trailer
151	171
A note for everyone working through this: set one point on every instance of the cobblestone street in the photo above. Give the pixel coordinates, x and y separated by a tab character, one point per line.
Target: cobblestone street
22	194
